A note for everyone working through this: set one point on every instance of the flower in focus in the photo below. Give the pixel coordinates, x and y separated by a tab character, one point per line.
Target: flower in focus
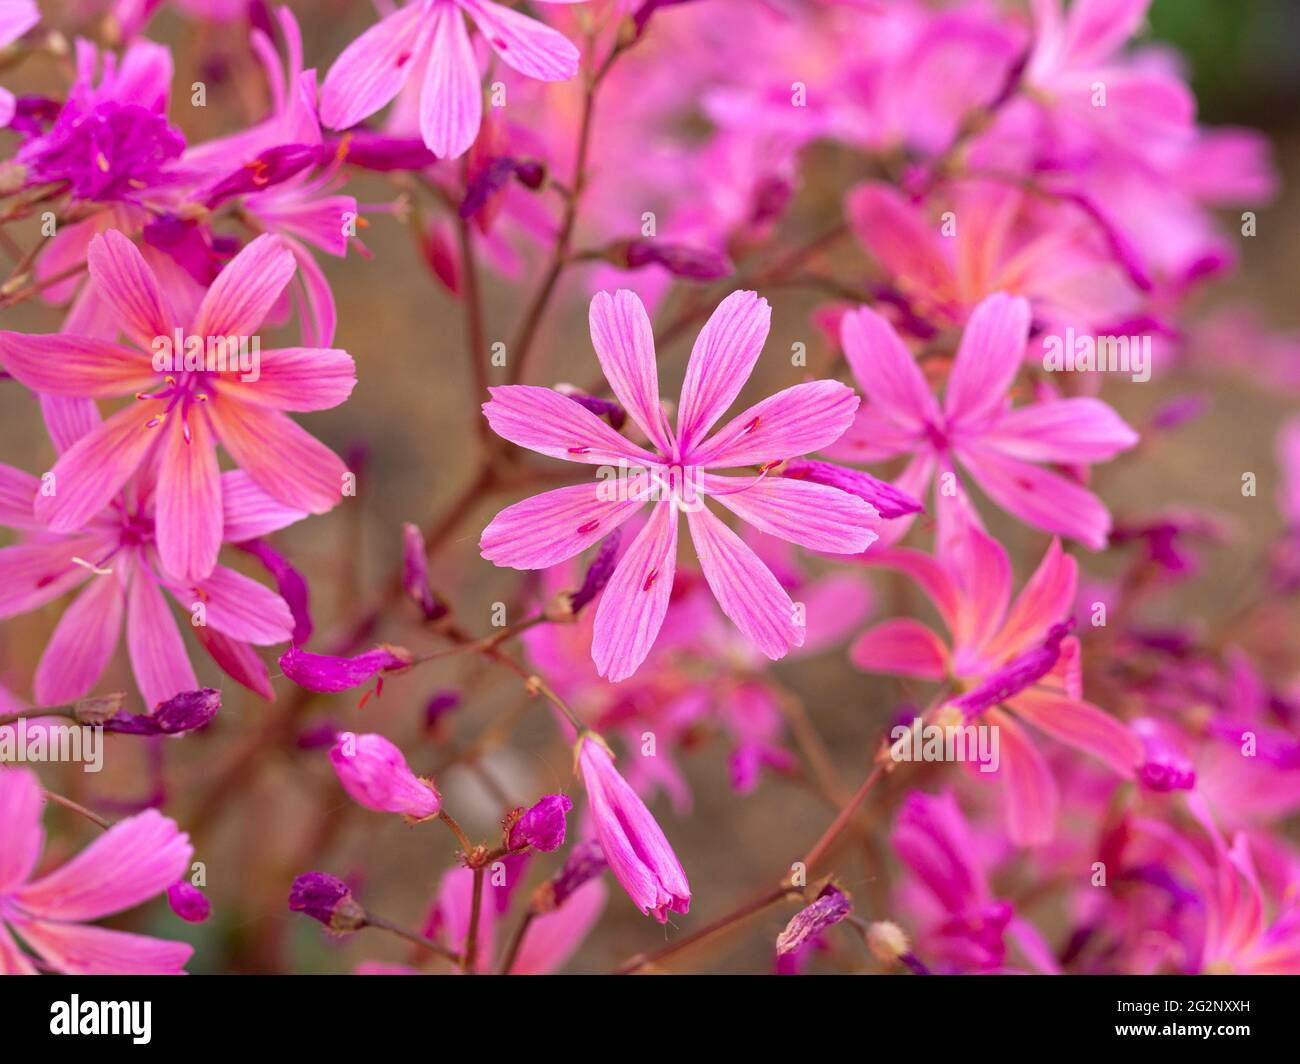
553	527
376	775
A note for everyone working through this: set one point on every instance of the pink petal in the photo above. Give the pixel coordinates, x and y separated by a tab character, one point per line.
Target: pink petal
1065	430
21	836
314	298
886	372
68	419
1039	498
930	575
549	423
1083	726
554	938
76	949
67	365
281	457
127	283
991	352
745	588
246	289
721	361
901	647
632	607
238	661
189	520
158	658
296	378
1047	598
812	515
451	99
249	512
793	422
32	574
872	437
82	644
547	529
900	238
625	345
981	569
92	471
17	496
13	961
1030	801
241	608
374	67
834	606
133	861
531	47
1096	29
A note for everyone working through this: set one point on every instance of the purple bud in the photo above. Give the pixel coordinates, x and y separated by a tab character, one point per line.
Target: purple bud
382	153
415	574
188	902
542	826
586	862
603	408
832	906
1020	672
681	260
321	672
598	572
270	168
327	899
185	712
1180	410
289	582
440	705
888	500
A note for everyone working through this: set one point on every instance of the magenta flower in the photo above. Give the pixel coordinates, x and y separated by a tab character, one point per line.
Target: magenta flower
1012	661
638	853
427	39
557	525
188	902
115	557
376	775
324	672
137	859
542	825
976	428
182	413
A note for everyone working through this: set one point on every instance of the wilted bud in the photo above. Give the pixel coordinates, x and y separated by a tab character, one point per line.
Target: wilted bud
329	675
188	902
598	572
380	152
681	260
439	705
185	712
289	582
887	499
1020	672
832	906
586	862
542	826
327	899
270	168
415	574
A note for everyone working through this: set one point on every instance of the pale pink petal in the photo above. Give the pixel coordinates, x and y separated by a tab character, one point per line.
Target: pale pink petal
549	423
547	529
451	99
21	835
625	345
872	437
896	235
82	644
793	422
1039	498
237	660
1046	598
812	515
373	68
554	938
721	361
281	457
67	365
13	961
981	569
68	419
887	373
834	606
78	949
158	659
1030	800
317	315
32	574
1083	726
133	861
249	512
531	47
246	289
991	352
632	607
17	497
240	607
1070	431
901	647
1096	29
93	470
930	575
127	283
189	521
296	378
745	588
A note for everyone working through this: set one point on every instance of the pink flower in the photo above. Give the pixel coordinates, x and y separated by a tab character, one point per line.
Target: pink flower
181	415
324	672
997	650
16	18
135	860
115	558
555	526
638	853
976	428
376	775
542	825
427	39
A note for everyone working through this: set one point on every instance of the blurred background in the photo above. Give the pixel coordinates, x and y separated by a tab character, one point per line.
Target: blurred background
413	419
